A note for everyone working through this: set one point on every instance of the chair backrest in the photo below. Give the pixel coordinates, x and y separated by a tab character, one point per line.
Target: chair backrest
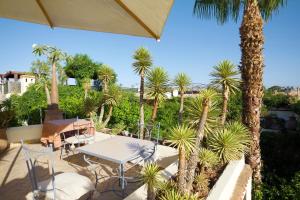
31	158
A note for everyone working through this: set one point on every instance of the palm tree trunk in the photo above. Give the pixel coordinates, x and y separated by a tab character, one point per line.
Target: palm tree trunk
180	117
54	90
155	107
181	171
252	41
141	123
108	116
150	193
102	105
225	103
192	164
47	95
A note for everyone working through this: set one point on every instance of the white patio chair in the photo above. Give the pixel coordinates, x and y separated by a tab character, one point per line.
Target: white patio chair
64	186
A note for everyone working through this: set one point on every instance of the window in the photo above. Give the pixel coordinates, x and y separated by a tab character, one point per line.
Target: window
26	80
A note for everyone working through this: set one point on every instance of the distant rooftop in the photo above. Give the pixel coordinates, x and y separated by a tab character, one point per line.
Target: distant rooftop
11	74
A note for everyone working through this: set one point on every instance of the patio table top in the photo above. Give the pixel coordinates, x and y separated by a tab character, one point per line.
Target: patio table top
118	149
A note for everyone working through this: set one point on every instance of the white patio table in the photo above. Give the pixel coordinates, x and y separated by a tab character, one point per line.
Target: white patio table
117	149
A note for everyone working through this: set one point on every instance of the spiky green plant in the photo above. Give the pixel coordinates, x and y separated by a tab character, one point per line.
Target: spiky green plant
157	86
225	75
175	195
105	74
202	183
182	81
150	176
208	158
141	66
207	98
228	145
183	138
194	110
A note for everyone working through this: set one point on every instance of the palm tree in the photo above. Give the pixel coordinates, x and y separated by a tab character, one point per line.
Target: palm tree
150	176
141	66
208	96
105	74
111	99
183	138
41	71
157	86
252	41
54	56
229	144
224	75
182	81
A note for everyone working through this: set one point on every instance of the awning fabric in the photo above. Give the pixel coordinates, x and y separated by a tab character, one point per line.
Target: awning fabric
132	17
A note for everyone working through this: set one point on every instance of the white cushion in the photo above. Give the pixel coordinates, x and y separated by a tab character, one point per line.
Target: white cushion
68	186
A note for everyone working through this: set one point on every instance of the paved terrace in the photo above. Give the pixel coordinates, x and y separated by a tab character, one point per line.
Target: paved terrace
15	183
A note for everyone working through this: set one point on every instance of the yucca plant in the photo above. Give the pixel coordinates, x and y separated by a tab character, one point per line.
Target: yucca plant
202	183
207	98
183	138
225	75
150	176
175	195
194	110
105	74
157	87
182	81
228	144
141	66
207	159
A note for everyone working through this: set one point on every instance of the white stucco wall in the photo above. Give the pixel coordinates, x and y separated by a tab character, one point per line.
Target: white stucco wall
224	187
26	133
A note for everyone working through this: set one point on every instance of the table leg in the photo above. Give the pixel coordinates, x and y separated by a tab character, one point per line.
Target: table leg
122	180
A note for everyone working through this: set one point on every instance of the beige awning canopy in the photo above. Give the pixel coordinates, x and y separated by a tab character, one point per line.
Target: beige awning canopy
132	17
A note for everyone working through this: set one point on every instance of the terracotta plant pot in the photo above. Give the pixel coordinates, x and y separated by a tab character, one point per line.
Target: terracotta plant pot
3	140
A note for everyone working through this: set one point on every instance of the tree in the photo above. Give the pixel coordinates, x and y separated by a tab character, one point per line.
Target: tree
106	75
183	138
54	56
157	86
141	66
150	176
252	41
225	75
111	99
41	71
83	69
182	81
207	96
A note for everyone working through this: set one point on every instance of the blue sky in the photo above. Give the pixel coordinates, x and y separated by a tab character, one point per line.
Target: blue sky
188	44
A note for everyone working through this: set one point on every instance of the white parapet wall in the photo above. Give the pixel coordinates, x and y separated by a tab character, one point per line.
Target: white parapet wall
25	133
225	185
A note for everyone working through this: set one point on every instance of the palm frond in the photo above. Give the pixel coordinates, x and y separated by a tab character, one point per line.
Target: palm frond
150	175
224	10
208	158
194	110
182	81
225	75
227	144
182	137
157	83
143	61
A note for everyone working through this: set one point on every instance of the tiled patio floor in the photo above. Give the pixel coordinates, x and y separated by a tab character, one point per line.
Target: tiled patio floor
15	184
